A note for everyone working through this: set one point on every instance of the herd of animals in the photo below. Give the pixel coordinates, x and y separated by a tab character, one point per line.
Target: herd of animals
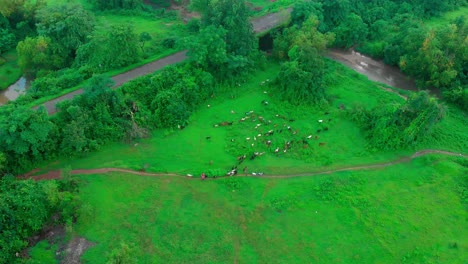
264	131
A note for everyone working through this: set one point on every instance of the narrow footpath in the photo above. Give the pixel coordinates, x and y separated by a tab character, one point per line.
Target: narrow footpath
56	174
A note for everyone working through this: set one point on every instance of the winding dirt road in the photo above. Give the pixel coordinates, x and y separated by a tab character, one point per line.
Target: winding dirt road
56	174
260	24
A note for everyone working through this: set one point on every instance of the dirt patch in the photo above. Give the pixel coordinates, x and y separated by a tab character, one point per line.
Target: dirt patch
74	249
51	175
186	14
53	235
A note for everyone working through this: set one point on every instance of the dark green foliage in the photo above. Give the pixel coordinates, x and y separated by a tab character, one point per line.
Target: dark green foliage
170	109
458	96
116	4
208	50
24	208
116	47
169	42
390	127
7	40
393	30
303	10
301	78
171	95
55	82
25	137
350	32
98	116
38	53
225	30
439	58
233	16
335	11
143	38
68	27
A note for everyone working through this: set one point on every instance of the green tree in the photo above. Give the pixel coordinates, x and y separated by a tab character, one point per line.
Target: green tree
21	15
170	109
67	25
25	137
24	208
116	4
38	53
335	11
233	16
143	38
350	32
301	78
303	10
208	50
7	40
2	162
396	127
115	47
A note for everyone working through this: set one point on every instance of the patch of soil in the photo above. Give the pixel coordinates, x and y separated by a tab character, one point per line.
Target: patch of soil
74	249
184	12
51	175
68	253
53	235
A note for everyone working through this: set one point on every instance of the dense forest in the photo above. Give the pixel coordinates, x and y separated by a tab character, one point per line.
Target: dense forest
61	46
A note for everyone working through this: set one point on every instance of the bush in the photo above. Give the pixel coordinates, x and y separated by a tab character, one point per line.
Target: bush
458	96
25	206
169	42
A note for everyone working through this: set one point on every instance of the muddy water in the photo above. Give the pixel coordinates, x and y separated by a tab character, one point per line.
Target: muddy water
12	92
374	70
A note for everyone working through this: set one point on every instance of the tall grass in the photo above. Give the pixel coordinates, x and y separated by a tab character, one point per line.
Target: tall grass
406	213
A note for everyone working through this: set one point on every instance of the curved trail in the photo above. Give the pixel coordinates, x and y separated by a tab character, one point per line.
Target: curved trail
56	174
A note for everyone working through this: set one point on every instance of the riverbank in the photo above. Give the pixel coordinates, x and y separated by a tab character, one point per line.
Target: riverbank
14	91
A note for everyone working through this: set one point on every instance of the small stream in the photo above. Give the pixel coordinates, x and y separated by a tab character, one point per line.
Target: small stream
374	70
15	90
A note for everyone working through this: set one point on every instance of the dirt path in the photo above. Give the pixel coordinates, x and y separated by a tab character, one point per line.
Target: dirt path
260	24
56	174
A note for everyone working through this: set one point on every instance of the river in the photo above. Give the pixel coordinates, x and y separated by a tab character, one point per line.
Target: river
374	70
15	90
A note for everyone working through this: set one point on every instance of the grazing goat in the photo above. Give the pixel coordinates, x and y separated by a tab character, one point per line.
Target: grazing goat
240	158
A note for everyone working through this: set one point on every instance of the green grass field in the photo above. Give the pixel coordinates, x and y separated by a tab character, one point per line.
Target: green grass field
448	17
343	144
262	7
9	70
409	213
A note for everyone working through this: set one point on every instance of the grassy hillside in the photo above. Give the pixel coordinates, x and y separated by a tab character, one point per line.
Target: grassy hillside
406	213
204	146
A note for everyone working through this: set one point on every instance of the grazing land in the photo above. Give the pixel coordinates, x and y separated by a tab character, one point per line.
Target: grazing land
404	213
205	145
249	145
